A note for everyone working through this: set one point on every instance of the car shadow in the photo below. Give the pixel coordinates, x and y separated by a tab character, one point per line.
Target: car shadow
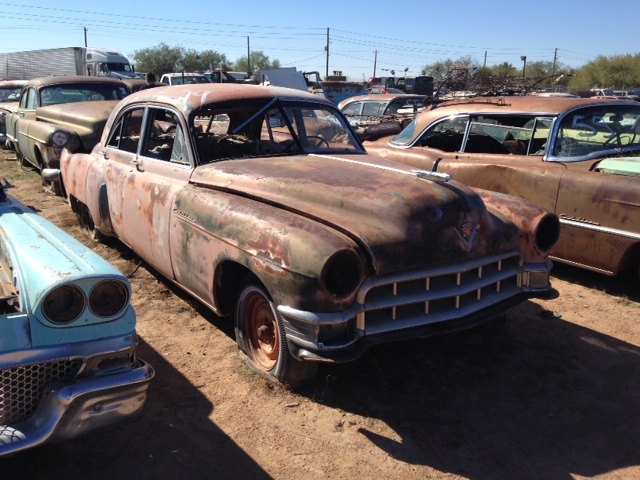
173	438
624	285
538	397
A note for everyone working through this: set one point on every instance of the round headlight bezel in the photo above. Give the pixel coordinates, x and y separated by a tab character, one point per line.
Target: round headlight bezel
64	304
547	233
342	273
105	303
60	138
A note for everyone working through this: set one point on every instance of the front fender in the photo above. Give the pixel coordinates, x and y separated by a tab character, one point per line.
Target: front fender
286	251
530	218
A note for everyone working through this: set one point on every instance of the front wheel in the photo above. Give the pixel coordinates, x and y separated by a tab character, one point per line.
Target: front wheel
260	334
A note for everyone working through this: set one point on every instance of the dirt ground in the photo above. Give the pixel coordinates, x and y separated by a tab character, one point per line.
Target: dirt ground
553	394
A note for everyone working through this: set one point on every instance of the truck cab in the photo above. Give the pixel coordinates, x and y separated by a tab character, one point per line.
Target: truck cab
103	63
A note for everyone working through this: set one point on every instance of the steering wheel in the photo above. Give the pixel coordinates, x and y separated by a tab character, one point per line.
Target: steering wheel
318	141
617	137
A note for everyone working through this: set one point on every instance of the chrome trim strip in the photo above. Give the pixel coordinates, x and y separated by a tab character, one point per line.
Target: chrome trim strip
600	229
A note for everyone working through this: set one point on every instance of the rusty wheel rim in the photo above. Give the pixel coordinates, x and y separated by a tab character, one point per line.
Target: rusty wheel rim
262	332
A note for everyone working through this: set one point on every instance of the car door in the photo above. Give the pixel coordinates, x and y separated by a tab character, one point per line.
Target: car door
26	114
500	154
149	163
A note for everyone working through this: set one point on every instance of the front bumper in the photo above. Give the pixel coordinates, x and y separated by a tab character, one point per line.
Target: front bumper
415	304
70	409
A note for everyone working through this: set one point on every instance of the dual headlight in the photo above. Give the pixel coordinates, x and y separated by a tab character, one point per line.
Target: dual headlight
67	303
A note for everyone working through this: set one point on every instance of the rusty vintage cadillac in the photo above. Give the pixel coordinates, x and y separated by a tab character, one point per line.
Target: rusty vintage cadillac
60	112
261	203
579	158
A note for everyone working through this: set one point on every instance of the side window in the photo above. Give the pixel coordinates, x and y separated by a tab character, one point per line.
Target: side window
446	135
372	108
161	134
31	100
180	151
500	134
352	109
540	137
125	135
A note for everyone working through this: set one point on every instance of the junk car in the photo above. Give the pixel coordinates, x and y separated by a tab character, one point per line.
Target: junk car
380	114
262	204
9	94
60	112
579	158
67	336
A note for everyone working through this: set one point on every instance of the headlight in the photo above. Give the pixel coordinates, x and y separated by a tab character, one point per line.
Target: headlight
59	138
547	233
64	304
108	298
342	273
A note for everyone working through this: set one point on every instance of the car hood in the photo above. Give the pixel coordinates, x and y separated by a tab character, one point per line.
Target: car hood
402	219
627	166
87	119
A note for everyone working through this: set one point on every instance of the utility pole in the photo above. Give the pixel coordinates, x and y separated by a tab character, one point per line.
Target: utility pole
85	36
555	59
524	65
326	74
248	58
485	59
375	61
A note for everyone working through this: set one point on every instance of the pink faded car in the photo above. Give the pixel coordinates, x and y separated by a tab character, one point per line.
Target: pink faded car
262	204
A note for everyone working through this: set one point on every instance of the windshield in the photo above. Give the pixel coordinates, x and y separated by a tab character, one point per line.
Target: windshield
10	94
253	129
597	128
189	79
119	67
72	93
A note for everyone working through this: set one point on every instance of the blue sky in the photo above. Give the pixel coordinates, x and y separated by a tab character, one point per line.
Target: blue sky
408	34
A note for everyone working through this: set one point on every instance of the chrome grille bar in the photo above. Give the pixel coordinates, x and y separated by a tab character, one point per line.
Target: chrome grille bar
433	295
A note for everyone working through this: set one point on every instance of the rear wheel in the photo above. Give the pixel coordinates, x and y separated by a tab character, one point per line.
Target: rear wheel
260	334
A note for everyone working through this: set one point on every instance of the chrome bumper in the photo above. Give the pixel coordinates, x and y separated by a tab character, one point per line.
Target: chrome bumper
71	409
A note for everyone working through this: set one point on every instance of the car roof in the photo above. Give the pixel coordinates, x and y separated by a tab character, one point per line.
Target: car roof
12	83
380	97
67	79
190	97
531	105
180	74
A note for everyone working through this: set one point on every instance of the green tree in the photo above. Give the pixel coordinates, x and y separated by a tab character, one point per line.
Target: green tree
165	59
159	60
619	71
259	61
505	69
442	68
210	60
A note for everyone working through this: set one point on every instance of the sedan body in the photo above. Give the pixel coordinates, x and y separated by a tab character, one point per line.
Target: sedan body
61	112
261	202
579	158
67	336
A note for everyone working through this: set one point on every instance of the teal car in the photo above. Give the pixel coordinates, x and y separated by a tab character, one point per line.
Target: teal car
67	335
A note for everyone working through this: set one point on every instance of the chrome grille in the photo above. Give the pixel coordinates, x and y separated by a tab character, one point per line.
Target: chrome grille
21	387
432	295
